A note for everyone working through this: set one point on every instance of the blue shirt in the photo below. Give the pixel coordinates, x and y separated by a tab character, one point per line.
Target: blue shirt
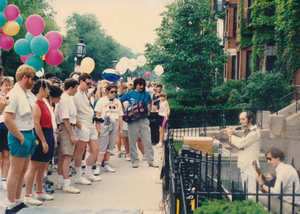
133	96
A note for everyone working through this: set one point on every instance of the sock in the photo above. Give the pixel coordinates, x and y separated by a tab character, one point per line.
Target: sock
38	193
78	171
67	182
3	179
60	179
106	163
27	196
98	164
88	170
11	205
45	174
17	201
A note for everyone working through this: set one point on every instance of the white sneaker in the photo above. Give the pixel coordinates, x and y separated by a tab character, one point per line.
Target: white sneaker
159	145
3	185
119	155
82	180
93	178
44	197
97	171
144	158
31	201
108	168
135	165
128	157
59	186
70	189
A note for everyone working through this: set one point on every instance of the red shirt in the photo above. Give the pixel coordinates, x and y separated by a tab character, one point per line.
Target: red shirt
46	119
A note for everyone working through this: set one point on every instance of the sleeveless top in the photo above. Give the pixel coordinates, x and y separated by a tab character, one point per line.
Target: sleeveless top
163	109
46	118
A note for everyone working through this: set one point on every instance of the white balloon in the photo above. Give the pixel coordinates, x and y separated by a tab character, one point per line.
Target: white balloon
132	67
132	64
121	68
40	73
141	60
159	70
124	60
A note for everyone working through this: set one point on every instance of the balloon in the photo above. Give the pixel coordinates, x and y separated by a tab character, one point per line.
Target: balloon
6	42
11	28
11	12
159	70
141	60
2	19
19	20
147	75
111	75
24	58
22	47
29	37
55	39
35	25
132	64
40	73
3	4
87	65
124	60
39	45
35	61
54	57
121	68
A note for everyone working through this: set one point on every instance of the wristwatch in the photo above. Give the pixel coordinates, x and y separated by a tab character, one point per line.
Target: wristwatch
262	185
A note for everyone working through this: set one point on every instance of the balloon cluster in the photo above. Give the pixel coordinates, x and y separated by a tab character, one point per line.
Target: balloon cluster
35	47
130	64
10	22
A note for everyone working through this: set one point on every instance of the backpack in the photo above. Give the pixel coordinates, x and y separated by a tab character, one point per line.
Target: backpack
136	111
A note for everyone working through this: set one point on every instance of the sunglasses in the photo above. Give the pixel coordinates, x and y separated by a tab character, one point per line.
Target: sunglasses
268	159
88	83
113	92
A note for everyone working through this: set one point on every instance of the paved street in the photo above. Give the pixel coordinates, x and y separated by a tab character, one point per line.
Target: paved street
128	190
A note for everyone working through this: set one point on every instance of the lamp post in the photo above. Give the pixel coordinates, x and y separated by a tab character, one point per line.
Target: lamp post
75	60
114	63
80	50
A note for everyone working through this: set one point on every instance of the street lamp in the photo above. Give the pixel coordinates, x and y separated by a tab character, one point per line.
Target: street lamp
114	63
75	60
80	50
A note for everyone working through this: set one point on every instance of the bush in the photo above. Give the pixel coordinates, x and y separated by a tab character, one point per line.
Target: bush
222	206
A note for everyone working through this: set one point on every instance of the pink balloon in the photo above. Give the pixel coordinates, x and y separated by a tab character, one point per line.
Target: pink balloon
54	57
35	25
147	74
6	42
55	39
11	12
24	58
1	31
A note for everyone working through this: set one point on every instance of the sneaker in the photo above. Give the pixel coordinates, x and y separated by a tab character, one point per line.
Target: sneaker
154	165
82	180
135	165
59	186
119	155
108	168
12	211
128	157
31	201
71	189
144	158
92	178
48	182
44	197
47	189
97	171
3	185
21	206
159	145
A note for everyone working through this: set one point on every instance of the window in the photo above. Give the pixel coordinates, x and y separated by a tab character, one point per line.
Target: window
250	2
218	6
238	66
233	68
234	22
249	64
270	62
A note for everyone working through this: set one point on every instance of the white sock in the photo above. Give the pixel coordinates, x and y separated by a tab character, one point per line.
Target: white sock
60	179
67	182
78	171
11	205
17	201
98	164
88	170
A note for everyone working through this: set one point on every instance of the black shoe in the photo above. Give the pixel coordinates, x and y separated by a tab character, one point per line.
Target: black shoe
21	206
48	182
12	211
94	167
47	189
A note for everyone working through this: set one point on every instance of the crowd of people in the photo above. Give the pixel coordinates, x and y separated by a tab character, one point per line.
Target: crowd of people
77	122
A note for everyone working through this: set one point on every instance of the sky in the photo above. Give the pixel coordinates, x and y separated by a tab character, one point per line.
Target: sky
130	22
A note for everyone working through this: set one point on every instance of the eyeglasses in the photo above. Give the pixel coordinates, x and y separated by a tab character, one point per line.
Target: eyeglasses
88	83
268	159
113	92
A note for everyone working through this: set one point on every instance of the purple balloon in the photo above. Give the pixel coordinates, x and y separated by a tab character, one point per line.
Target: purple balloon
35	25
11	12
55	39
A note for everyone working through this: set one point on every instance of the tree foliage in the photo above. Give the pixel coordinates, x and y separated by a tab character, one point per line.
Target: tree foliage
188	48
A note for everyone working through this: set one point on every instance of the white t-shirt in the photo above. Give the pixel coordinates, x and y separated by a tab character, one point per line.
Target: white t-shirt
85	112
66	109
112	109
21	104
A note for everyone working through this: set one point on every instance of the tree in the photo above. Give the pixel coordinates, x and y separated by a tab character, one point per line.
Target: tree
188	48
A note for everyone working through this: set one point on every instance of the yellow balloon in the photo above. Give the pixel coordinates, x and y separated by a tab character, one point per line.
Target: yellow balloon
43	57
87	65
11	28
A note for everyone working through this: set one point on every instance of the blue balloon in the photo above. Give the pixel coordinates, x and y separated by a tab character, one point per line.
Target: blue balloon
36	62
2	19
29	37
111	75
39	45
22	47
3	4
19	20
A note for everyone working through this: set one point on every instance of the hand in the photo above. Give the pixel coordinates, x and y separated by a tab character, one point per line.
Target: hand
121	133
22	140
2	104
99	132
73	139
228	131
149	113
45	147
259	179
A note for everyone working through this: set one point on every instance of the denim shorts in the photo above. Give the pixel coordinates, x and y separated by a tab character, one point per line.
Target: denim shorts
28	147
39	155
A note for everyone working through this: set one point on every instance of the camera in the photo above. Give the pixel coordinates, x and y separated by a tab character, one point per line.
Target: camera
97	119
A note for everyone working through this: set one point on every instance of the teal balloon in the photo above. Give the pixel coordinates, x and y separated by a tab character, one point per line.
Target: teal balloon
2	19
19	20
22	47
29	37
36	62
39	45
3	4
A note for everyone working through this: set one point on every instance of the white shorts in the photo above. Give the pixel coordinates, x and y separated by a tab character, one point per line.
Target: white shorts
86	133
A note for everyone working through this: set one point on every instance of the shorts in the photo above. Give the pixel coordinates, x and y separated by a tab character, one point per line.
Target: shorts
39	155
125	133
28	147
66	147
162	121
3	137
86	133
